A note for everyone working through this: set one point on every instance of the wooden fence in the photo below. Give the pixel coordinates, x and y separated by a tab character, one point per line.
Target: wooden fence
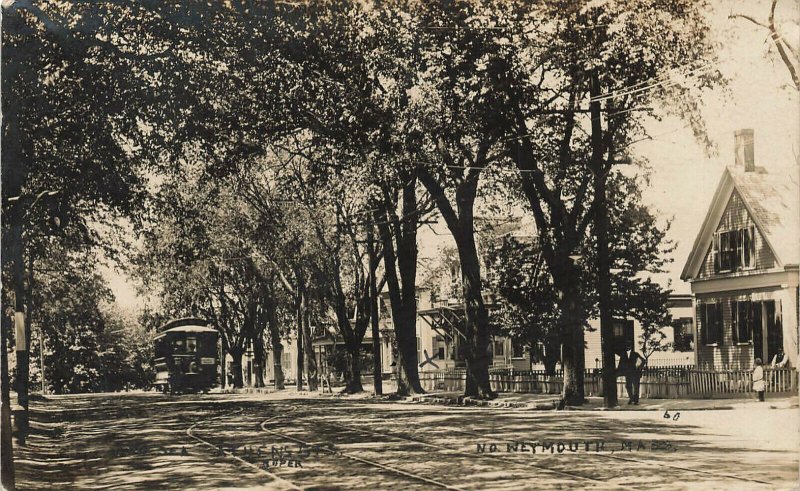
656	382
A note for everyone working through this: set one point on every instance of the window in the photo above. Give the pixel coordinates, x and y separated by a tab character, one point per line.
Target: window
517	349
746	318
191	345
734	250
773	321
683	335
439	344
623	334
499	348
711	322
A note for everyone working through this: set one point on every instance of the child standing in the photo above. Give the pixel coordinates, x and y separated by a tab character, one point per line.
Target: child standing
758	380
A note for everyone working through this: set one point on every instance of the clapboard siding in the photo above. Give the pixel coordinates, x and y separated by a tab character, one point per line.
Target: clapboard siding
735	217
727	354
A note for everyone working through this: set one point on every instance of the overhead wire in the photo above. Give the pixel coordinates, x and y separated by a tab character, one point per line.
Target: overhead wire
665	82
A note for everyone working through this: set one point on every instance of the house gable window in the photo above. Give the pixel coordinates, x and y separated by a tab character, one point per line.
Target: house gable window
734	250
711	322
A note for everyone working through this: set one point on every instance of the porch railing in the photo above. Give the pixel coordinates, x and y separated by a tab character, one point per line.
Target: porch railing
656	382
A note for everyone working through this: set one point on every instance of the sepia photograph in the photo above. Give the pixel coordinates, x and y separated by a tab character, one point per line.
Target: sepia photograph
400	244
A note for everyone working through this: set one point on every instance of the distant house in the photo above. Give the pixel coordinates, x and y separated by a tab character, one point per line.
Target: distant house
441	336
679	337
743	267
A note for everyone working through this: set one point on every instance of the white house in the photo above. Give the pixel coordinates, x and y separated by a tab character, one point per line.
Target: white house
743	267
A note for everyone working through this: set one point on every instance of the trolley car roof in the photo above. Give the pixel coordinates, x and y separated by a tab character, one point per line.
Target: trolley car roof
185	329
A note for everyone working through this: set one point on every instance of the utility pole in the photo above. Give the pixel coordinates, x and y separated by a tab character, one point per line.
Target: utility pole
31	289
373	312
21	331
600	170
300	340
41	359
7	447
21	325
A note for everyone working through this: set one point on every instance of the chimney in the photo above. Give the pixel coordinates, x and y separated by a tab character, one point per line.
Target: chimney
743	148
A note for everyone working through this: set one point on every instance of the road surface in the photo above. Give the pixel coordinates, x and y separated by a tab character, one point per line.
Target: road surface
291	441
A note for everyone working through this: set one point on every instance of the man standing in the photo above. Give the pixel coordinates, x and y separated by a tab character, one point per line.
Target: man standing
631	364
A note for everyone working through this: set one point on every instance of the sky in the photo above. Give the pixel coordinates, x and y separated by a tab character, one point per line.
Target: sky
759	95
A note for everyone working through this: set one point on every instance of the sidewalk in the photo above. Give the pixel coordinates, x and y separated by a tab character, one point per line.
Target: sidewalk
530	402
545	402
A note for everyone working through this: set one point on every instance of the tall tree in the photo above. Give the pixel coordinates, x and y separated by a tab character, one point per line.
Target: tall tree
198	254
638	248
55	139
560	52
350	97
463	59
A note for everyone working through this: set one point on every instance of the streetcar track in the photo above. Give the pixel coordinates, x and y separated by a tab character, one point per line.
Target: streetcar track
394	470
190	433
349	455
640	461
471	455
617	457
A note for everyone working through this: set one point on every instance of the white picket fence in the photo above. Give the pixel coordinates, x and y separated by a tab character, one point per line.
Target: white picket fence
656	383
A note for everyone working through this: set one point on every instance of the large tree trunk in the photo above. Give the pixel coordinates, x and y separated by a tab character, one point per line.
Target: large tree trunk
404	314
476	318
300	343
377	372
277	349
223	372
603	259
299	362
462	225
407	357
258	359
308	344
236	367
476	324
353	374
353	334
402	293
573	348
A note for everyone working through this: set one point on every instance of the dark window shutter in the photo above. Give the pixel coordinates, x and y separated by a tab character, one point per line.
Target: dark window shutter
719	323
735	321
702	320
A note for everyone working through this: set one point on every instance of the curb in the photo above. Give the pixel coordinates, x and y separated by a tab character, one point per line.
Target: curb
551	405
468	401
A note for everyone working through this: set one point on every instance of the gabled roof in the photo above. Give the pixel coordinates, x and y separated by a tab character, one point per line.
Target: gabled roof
773	202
